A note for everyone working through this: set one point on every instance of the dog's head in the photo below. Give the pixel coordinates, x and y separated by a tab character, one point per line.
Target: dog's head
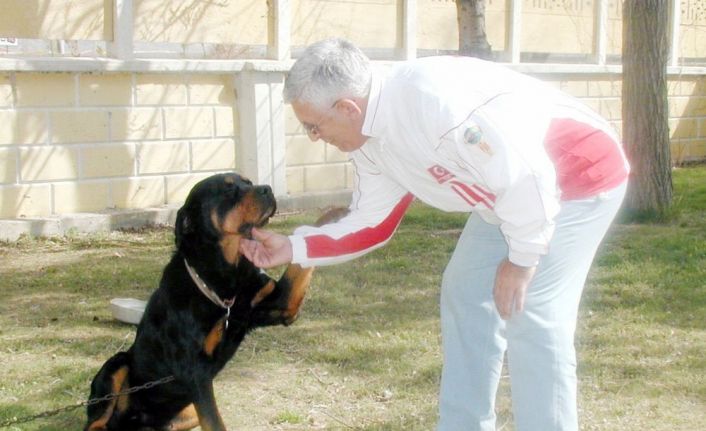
222	209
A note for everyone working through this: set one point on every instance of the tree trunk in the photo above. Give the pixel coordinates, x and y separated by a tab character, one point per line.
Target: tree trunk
472	40
645	109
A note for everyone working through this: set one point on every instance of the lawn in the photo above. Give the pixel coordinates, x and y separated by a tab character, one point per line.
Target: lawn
365	352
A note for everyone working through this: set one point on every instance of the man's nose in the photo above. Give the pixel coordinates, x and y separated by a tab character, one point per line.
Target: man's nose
313	135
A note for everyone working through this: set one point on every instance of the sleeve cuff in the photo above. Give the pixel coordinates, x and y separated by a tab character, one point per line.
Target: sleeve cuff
299	255
523	259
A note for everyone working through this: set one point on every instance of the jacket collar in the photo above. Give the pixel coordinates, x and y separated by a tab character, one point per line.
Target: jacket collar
373	124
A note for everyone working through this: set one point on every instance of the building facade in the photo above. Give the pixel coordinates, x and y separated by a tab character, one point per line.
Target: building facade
122	105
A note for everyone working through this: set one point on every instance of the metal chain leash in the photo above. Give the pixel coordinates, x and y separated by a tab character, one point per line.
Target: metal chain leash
109	397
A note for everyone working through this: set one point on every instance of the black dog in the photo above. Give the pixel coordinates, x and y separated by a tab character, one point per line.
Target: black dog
208	299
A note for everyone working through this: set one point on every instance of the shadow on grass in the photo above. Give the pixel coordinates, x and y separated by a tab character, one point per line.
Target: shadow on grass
658	267
656	270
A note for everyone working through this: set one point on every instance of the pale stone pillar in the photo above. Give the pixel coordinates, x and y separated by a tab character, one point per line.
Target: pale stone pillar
260	151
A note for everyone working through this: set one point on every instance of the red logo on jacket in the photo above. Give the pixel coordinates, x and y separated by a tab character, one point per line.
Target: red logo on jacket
473	194
440	174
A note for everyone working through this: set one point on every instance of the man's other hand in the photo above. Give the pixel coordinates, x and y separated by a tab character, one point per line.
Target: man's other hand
511	282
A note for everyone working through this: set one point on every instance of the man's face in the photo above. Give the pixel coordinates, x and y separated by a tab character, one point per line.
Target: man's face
340	125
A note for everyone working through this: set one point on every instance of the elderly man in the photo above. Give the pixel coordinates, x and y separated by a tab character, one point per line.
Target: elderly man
543	175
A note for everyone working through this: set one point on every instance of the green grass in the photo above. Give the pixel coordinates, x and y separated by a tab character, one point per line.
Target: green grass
365	353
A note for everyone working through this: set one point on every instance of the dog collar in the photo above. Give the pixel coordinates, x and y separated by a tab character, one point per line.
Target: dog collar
207	291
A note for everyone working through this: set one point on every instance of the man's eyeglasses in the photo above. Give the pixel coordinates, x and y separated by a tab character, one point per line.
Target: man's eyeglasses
313	129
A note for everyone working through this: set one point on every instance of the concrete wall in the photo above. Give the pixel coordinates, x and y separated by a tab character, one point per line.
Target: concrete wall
125	104
193	21
81	142
548	26
369	24
551	26
56	19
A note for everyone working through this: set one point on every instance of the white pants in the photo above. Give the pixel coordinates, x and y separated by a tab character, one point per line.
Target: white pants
539	341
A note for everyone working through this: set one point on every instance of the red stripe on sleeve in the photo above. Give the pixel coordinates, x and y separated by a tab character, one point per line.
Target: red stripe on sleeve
487	194
463	196
472	194
324	246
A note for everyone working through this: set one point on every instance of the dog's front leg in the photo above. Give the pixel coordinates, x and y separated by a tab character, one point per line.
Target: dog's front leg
280	302
298	280
206	408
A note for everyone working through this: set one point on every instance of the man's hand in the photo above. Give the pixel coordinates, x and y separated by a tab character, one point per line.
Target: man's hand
267	249
511	282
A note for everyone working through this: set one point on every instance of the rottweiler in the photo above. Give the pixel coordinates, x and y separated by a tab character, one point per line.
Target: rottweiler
208	299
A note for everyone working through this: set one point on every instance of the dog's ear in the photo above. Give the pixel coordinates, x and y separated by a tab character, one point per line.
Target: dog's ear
182	226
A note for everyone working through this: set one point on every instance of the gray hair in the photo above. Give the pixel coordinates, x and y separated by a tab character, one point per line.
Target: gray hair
327	71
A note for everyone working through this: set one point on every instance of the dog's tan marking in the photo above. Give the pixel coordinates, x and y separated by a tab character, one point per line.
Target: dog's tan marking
230	246
229	180
119	378
185	420
247	211
124	400
229	227
251	208
263	293
214	338
300	278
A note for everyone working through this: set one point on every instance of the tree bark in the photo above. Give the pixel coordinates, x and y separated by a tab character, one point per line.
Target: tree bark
472	39
645	108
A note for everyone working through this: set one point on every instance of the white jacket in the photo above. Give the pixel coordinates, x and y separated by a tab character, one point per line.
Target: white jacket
462	134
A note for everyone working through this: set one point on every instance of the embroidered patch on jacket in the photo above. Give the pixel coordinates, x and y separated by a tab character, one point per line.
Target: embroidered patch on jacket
474	136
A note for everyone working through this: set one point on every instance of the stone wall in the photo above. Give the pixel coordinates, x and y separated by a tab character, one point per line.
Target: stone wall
82	142
125	104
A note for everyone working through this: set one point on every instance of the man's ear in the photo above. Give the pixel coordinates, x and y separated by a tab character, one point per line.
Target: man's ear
182	226
348	108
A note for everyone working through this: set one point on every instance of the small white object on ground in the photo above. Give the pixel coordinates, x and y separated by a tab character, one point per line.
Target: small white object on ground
128	310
